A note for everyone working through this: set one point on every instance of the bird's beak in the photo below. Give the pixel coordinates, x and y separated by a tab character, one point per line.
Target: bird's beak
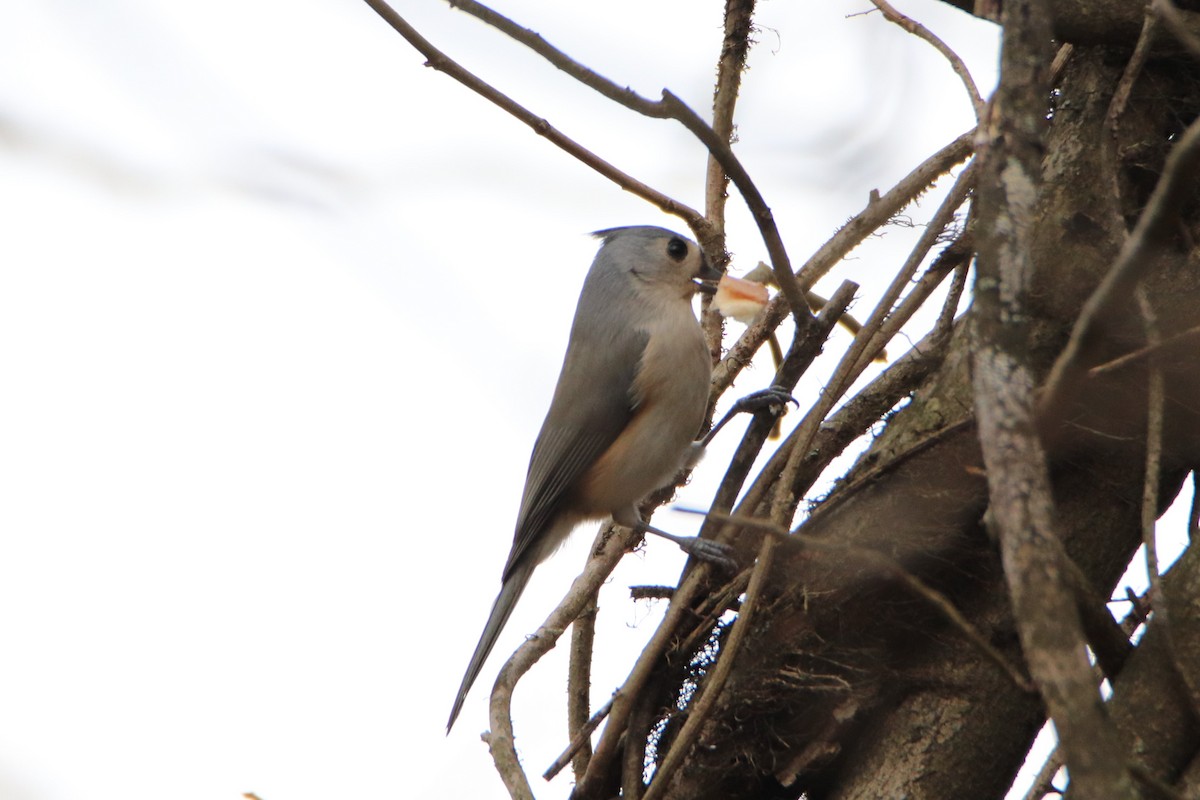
707	277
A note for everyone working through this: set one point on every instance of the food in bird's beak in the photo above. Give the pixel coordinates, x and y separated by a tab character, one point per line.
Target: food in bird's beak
740	299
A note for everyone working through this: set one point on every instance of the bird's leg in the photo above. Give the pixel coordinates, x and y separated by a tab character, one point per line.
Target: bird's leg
773	399
708	550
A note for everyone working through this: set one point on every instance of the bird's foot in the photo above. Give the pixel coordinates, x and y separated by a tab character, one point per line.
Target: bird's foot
773	399
714	552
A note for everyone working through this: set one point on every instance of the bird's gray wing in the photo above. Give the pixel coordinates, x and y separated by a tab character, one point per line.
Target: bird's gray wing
592	404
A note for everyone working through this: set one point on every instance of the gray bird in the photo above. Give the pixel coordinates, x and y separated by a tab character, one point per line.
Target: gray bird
628	406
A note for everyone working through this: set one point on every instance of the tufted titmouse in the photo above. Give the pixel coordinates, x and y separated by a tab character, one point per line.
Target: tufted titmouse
628	406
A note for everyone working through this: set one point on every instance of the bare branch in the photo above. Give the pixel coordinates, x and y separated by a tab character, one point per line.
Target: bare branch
1154	443
442	63
1043	784
734	49
1150	352
588	77
956	63
865	347
579	742
579	684
1112	121
945	321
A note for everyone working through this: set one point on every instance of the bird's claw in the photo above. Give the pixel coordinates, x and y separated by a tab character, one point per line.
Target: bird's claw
709	550
773	399
714	552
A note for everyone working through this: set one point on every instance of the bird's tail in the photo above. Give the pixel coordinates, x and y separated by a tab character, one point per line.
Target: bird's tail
510	592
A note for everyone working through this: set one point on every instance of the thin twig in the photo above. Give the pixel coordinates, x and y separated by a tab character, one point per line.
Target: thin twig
862	350
1060	62
442	63
734	49
581	738
1149	351
956	63
1043	784
579	684
945	320
531	39
1110	130
732	62
1154	434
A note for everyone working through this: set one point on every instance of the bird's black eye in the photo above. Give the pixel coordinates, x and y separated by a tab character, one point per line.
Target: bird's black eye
677	248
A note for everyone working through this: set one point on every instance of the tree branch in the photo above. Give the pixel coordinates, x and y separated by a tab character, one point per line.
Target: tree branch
956	63
442	63
579	685
863	349
734	48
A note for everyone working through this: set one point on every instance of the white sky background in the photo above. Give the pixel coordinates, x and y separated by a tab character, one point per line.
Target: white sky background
281	311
